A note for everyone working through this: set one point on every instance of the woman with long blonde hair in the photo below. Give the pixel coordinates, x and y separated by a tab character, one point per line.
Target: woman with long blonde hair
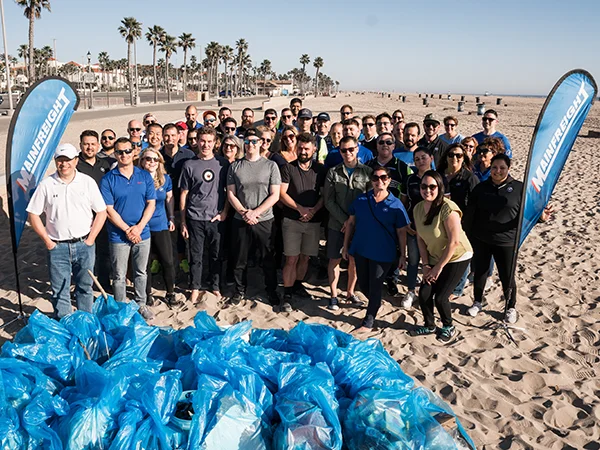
161	224
288	143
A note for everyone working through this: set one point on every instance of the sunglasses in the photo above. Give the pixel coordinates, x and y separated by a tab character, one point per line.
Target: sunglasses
379	177
229	145
135	129
345	113
110	138
370	124
251	141
347	150
270	118
149	122
488	119
229	128
267	140
151	159
291	137
285	116
388	142
430	187
469	145
483	151
398	118
456	155
431	125
136	144
124	152
210	120
450	124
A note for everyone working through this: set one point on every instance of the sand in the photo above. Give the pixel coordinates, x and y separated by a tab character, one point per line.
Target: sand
542	393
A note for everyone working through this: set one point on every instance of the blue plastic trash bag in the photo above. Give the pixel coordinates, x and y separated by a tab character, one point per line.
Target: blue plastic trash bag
36	417
127	424
88	340
307	407
117	317
135	346
23	381
11	434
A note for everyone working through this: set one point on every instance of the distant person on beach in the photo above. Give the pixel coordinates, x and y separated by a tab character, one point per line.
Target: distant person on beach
451	136
253	188
204	209
191	117
397	116
304	120
130	196
346	112
384	123
445	252
412	132
369	133
343	184
69	199
247	123
301	194
431	138
489	122
107	141
375	229
323	140
351	128
489	148
155	136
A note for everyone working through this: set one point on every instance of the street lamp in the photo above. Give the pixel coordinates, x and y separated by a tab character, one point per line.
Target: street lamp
89	57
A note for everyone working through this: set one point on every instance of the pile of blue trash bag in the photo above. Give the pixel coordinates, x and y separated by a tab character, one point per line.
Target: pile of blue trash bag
108	380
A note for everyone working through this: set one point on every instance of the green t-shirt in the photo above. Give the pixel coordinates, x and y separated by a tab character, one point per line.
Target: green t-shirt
434	235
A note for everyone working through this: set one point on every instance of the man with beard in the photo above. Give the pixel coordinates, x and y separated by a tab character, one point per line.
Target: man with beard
107	141
412	131
431	138
210	119
247	123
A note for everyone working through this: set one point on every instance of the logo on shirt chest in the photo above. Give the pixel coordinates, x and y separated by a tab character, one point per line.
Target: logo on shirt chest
208	175
509	189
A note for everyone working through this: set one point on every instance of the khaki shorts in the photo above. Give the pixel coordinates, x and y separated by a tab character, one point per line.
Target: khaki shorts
300	237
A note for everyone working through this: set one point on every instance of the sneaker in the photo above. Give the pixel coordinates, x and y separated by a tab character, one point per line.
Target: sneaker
446	333
172	301
475	309
146	313
237	298
511	316
392	288
409	299
489	283
184	265
422	331
150	300
300	290
274	299
333	304
355	301
286	304
155	267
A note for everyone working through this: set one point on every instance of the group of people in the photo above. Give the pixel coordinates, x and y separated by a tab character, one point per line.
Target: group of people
384	197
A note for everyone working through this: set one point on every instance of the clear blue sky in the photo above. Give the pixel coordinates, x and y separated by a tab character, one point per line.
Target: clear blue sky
515	46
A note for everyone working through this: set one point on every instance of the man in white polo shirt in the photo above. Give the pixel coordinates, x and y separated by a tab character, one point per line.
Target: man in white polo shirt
69	200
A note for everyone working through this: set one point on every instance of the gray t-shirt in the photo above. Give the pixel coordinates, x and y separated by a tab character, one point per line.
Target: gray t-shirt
253	181
205	181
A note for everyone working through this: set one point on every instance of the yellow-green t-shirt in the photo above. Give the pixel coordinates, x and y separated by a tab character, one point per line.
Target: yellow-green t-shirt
434	235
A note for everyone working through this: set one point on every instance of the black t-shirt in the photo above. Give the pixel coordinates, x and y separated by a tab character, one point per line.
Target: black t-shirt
97	171
399	171
371	145
461	186
173	167
304	188
279	160
437	147
413	192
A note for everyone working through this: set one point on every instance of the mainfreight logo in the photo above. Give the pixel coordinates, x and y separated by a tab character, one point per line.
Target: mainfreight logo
40	143
555	145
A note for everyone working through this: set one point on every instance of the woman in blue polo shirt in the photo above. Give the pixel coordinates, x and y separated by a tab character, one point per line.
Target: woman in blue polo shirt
161	224
375	230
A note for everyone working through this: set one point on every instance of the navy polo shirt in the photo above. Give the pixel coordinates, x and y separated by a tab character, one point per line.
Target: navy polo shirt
377	239
128	197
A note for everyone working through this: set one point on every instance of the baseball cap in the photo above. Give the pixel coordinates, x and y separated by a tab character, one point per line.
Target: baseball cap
206	113
253	132
431	118
66	150
181	125
324	117
305	113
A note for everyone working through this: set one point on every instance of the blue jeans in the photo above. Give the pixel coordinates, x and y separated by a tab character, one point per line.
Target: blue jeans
413	261
66	259
119	257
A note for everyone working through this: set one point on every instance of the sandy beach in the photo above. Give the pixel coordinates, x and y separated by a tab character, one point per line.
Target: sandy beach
543	393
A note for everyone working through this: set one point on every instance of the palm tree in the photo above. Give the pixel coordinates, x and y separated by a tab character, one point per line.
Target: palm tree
304	60
168	46
226	57
242	51
186	42
317	63
155	35
103	61
23	52
33	11
213	51
265	69
131	30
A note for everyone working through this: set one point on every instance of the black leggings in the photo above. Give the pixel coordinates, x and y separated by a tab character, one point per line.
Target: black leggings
503	255
160	245
438	293
371	275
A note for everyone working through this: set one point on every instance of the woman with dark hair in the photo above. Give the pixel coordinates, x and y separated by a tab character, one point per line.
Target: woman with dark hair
491	221
288	143
376	227
489	148
445	252
455	166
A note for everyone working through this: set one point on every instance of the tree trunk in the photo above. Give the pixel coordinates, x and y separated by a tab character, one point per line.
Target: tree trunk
130	74
31	53
184	75
155	75
167	79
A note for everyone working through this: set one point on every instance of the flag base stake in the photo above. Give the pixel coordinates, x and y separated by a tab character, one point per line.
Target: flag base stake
20	317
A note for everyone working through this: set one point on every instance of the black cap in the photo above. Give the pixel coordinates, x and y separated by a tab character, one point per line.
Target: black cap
305	113
324	117
253	132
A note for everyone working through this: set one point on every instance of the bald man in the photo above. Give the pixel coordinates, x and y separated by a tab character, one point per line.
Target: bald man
191	116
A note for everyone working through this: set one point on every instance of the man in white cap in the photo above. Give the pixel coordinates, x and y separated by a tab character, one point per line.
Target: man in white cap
69	200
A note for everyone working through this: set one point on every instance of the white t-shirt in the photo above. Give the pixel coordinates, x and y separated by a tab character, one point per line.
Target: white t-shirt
68	207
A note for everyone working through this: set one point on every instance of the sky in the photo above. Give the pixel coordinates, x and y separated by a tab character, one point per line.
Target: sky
461	46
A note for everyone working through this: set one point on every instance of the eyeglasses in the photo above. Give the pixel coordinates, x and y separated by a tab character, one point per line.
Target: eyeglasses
456	155
369	124
267	140
149	122
229	128
388	142
251	141
483	151
383	178
291	137
430	187
450	124
286	116
151	159
210	120
488	119
135	129
110	138
270	118
345	113
124	152
347	150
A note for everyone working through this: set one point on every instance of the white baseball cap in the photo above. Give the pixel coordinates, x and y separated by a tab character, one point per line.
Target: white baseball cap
66	150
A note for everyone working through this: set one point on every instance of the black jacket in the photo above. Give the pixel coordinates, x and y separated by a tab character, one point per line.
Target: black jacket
492	214
461	186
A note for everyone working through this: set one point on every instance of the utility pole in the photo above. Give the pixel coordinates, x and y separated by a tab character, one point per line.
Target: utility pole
137	80
89	59
6	62
55	58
